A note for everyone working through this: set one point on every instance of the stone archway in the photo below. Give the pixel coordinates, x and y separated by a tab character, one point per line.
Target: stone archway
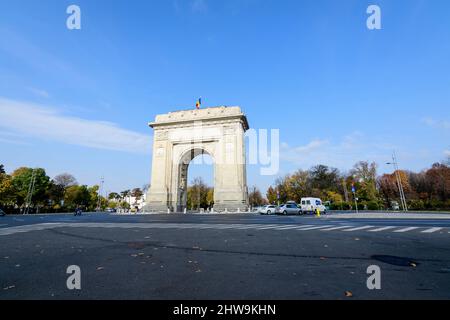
182	175
182	135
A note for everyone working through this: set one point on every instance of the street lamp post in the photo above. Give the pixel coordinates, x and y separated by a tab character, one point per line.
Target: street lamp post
399	182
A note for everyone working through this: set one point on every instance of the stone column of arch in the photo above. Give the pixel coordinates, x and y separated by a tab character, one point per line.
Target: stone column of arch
182	135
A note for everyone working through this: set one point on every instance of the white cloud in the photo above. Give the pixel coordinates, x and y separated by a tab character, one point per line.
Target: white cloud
342	154
44	122
447	153
39	92
440	124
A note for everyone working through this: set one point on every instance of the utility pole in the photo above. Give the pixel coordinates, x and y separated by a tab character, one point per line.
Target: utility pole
30	192
100	190
399	181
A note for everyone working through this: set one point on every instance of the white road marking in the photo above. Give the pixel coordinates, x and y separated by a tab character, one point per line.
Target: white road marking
278	227
358	228
406	229
336	228
270	226
431	230
382	229
285	227
314	228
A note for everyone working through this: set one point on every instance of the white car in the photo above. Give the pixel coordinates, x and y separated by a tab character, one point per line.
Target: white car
269	209
310	205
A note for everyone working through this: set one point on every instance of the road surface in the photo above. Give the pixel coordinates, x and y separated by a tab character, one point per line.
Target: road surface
223	256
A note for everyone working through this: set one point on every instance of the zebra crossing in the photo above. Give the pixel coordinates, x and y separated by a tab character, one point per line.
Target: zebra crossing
221	226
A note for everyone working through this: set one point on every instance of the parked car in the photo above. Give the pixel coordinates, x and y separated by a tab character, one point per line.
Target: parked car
268	209
289	208
111	210
395	206
310	205
2	213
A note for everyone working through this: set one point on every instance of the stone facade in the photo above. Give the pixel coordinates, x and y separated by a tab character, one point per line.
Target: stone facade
182	135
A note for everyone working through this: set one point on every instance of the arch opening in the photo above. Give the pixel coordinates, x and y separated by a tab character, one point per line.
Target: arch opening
196	176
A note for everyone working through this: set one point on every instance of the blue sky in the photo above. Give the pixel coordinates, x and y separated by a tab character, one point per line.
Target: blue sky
79	101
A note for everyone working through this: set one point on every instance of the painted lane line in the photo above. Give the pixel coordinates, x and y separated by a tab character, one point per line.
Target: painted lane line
336	228
382	229
431	230
285	227
273	226
314	228
406	229
358	228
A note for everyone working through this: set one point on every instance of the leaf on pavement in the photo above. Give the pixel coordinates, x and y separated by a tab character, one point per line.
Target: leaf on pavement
100	268
9	287
348	294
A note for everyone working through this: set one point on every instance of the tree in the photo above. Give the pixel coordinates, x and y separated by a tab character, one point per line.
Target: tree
324	178
93	197
298	185
65	180
76	196
210	197
113	196
125	193
438	178
271	195
137	193
6	190
365	175
21	179
2	169
197	194
388	187
255	198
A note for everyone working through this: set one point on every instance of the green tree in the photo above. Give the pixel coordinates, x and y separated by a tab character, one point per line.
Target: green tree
6	190
365	175
113	196
93	197
21	179
125	194
298	185
78	196
197	194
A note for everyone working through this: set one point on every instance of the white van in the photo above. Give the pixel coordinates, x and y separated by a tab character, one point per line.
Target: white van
309	205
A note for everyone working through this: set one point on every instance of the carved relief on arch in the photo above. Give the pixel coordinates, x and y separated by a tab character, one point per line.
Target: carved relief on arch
161	135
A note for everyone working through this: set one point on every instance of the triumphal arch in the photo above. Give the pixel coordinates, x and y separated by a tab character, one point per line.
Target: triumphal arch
179	137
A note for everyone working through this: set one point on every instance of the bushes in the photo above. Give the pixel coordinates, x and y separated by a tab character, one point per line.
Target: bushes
373	205
416	205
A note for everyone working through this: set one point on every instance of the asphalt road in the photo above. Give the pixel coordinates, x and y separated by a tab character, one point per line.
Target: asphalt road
245	256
